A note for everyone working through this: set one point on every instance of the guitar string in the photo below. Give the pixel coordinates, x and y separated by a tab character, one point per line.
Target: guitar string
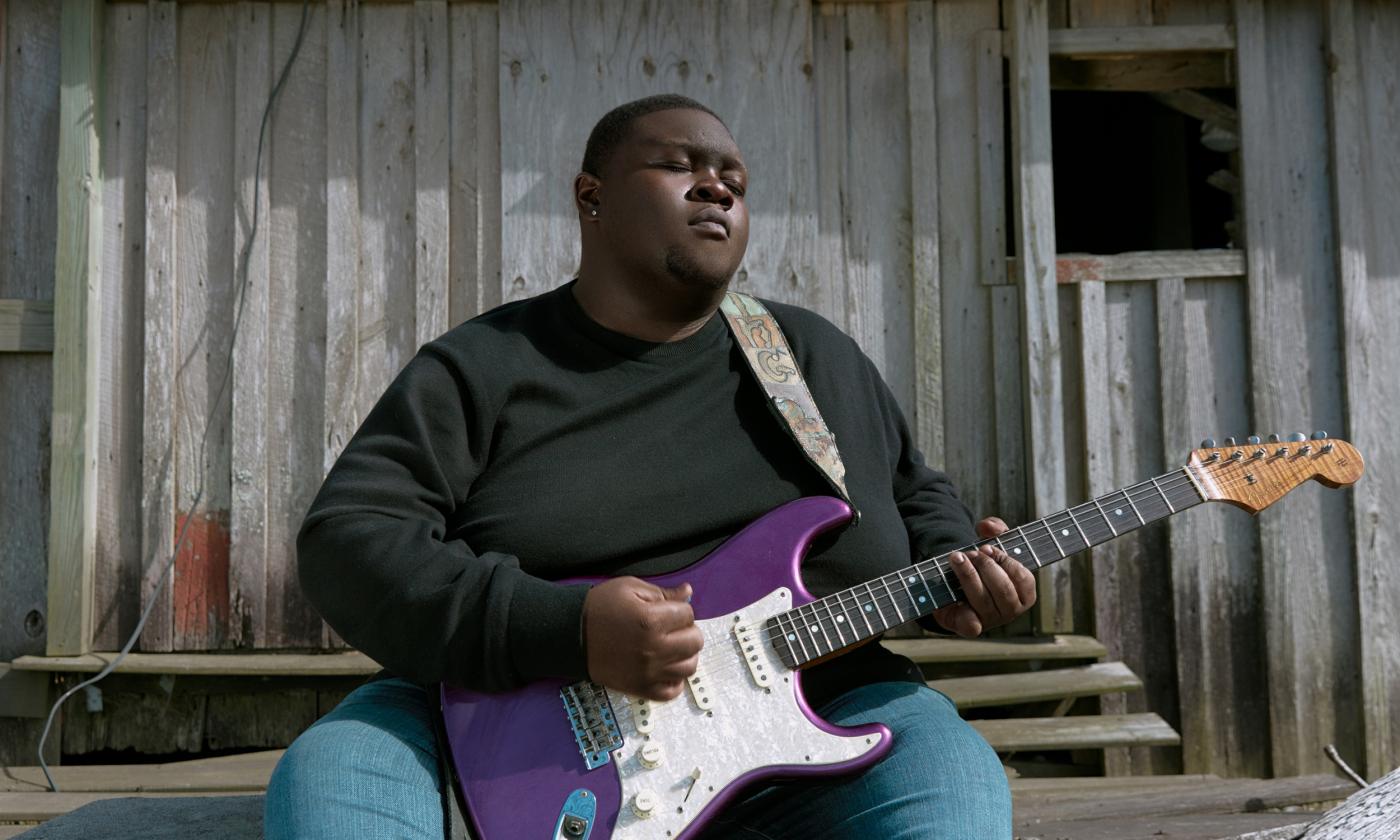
1150	489
1141	492
848	600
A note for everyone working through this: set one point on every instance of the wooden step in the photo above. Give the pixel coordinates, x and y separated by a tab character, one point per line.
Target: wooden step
1034	686
38	807
350	663
247	772
954	649
1145	729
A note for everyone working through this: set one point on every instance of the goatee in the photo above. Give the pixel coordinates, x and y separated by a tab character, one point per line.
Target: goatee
690	273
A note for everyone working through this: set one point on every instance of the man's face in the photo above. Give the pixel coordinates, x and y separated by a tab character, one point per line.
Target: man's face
673	194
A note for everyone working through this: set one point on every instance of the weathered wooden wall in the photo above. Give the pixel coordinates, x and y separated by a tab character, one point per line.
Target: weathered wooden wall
417	172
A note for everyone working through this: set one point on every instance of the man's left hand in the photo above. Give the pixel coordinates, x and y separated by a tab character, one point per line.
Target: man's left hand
997	588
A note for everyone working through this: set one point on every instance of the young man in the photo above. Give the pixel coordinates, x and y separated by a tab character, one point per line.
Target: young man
611	428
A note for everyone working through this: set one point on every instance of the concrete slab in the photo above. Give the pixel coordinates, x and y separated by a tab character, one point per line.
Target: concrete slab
163	818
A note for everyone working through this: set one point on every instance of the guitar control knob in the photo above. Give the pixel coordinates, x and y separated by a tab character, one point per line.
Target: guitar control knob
644	804
651	755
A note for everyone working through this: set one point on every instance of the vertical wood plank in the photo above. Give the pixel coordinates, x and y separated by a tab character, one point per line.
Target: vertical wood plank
879	301
204	308
971	339
923	183
250	270
1363	114
29	132
432	71
1098	479
158	400
342	108
829	60
296	229
1009	398
475	199
387	334
1214	549
991	157
1310	616
1035	247
77	333
117	596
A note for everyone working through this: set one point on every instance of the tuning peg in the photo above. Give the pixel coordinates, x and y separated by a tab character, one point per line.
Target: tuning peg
1229	441
1253	440
1297	437
1274	438
1319	435
1208	443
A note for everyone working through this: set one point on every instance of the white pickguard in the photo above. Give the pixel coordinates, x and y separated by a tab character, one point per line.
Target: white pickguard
746	727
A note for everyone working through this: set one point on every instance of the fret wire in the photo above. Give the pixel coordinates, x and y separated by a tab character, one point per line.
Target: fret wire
1163	495
1083	536
1025	538
865	611
944	575
817	622
894	602
1046	526
1134	506
1195	483
1107	521
920	577
874	599
831	615
797	634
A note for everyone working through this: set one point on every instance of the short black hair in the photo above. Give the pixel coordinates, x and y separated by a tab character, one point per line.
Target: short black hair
612	129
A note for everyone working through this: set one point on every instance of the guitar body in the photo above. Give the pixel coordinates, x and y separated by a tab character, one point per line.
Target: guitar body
523	759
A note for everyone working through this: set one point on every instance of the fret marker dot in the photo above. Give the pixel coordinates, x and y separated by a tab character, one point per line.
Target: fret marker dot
813	628
869	608
792	637
840	618
922	599
911	580
1117	511
1064	532
1015	551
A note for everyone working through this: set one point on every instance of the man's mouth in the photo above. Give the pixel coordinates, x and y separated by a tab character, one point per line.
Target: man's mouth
712	222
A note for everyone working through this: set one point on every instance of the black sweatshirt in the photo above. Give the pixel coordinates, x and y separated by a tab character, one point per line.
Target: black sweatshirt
531	444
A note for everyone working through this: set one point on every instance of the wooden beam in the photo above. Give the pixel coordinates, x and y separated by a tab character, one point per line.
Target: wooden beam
1077	732
346	663
1036	686
1193	103
1034	222
1009	649
1137	40
1372	366
77	285
1140	265
26	326
923	192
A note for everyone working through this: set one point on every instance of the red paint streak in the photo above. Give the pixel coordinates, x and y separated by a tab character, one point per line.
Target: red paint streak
1076	269
201	580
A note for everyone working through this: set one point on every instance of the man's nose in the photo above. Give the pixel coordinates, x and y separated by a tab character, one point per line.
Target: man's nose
713	190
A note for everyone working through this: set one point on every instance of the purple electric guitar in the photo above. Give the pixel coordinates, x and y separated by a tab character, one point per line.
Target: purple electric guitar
573	761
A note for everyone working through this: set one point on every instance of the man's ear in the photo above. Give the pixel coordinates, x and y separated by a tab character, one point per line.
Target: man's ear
587	195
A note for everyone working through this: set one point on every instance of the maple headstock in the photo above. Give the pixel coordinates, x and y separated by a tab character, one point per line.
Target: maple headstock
1258	473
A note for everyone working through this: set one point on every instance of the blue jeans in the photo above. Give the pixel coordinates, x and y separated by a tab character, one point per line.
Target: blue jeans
370	769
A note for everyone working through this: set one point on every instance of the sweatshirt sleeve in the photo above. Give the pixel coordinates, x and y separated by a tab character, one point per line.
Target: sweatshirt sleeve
374	558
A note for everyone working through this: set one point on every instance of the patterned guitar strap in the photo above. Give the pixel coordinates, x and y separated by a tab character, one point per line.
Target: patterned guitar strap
772	364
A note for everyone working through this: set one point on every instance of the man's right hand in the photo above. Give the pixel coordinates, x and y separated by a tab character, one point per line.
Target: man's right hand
641	639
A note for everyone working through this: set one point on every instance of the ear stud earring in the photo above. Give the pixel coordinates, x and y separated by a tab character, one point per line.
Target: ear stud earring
593	212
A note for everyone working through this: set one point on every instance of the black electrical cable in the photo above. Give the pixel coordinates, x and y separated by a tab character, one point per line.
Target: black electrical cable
218	396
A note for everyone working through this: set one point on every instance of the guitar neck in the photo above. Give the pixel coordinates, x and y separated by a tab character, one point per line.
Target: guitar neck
844	619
